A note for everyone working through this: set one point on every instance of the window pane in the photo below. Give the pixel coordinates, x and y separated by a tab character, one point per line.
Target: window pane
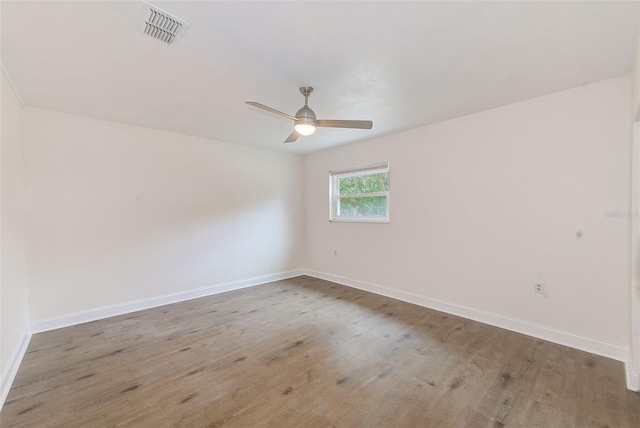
370	183
368	206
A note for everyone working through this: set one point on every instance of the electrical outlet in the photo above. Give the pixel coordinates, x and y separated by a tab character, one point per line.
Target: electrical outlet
335	252
539	288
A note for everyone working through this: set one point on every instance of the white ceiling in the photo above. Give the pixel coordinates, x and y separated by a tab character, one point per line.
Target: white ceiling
399	64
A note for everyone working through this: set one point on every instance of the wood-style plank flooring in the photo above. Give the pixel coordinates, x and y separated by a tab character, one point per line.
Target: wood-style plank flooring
309	353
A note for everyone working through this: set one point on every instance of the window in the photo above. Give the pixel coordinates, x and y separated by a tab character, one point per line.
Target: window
360	194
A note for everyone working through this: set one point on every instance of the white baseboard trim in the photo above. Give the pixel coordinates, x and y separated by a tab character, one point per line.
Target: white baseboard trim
520	326
9	373
152	302
530	329
633	377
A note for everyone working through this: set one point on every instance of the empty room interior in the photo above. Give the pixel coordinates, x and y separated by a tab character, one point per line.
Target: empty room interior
320	214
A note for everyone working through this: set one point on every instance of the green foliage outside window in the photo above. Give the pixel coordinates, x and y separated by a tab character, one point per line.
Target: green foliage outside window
363	207
366	206
370	183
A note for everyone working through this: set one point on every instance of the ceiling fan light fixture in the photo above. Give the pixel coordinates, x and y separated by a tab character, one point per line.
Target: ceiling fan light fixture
305	129
305	121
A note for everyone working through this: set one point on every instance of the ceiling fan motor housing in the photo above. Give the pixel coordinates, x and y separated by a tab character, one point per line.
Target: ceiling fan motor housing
305	115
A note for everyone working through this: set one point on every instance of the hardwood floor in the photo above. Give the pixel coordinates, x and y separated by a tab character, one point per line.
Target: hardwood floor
309	353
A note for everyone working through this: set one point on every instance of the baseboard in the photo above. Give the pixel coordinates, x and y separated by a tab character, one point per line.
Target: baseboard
137	305
633	377
9	374
520	326
530	329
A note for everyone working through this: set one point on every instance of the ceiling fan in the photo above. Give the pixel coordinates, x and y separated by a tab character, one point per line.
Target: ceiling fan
305	122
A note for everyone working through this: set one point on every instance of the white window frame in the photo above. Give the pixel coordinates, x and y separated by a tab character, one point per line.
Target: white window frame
335	197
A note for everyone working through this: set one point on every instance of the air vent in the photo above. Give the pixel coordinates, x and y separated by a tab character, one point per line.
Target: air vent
160	25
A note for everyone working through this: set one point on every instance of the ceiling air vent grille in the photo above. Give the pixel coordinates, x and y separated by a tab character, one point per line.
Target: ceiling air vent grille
161	25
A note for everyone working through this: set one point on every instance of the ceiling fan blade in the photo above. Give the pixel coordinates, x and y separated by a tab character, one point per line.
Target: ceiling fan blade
270	110
360	124
293	137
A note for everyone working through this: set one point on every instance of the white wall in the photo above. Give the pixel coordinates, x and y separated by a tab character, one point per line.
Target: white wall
14	316
633	371
120	213
485	206
634	256
635	83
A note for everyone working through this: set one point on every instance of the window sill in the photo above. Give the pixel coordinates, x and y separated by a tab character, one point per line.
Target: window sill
359	220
